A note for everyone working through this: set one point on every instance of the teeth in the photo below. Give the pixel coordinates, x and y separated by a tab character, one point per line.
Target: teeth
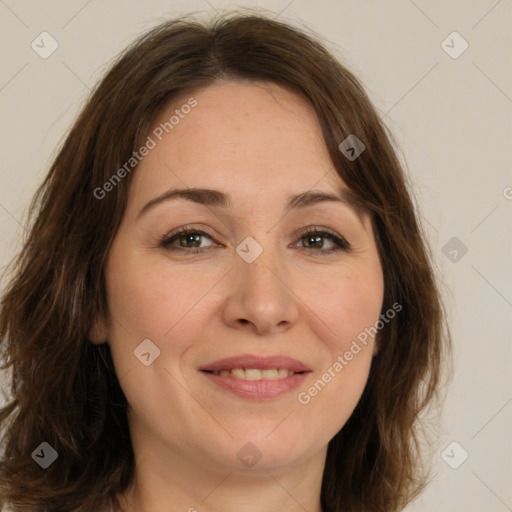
271	374
256	374
238	373
283	372
251	374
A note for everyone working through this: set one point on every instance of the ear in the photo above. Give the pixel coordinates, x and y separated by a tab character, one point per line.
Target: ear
98	332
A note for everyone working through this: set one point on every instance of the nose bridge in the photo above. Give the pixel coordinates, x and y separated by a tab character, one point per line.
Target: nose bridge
259	264
261	294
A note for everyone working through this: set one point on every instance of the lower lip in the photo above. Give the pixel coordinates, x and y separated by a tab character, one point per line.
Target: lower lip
258	389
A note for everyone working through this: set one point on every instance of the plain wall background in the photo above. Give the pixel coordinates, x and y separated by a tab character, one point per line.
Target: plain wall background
450	116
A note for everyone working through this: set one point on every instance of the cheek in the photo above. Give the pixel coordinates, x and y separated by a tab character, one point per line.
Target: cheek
348	309
169	305
347	305
150	299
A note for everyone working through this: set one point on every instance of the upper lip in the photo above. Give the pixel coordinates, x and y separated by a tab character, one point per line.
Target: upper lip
256	362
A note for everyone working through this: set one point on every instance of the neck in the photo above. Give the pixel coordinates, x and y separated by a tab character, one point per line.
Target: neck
191	486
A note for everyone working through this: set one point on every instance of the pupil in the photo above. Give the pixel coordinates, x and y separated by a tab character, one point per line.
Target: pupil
317	240
190	239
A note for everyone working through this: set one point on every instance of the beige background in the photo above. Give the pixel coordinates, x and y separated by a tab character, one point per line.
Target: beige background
451	117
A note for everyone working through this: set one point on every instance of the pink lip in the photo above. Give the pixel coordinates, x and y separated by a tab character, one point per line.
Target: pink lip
257	389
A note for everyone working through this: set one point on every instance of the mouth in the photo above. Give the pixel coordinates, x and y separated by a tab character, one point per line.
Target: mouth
256	373
256	377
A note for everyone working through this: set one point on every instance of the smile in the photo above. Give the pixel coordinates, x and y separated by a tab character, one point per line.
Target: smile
256	377
256	373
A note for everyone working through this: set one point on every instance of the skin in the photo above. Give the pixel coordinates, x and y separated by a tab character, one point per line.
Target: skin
259	143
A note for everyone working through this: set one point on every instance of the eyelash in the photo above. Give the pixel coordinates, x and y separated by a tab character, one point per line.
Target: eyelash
341	243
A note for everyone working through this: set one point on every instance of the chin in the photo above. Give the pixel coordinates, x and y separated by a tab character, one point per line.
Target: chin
259	448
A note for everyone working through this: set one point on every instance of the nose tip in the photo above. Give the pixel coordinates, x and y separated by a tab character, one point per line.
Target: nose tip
259	300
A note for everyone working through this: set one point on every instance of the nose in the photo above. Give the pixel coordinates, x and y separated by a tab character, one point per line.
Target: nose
261	299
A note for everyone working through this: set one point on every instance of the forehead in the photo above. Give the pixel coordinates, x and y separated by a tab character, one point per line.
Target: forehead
239	137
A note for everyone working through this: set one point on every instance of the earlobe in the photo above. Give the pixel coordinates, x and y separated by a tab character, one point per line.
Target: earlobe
98	332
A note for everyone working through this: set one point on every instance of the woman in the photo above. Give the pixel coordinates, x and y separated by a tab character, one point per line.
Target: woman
224	301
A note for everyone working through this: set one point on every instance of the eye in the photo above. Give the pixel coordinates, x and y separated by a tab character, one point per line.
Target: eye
191	240
314	238
186	239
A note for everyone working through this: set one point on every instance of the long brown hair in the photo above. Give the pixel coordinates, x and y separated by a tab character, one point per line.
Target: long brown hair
64	390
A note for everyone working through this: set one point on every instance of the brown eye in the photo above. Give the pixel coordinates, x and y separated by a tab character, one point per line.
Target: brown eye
315	239
186	239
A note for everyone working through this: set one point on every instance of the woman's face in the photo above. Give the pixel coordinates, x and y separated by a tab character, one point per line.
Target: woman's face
250	281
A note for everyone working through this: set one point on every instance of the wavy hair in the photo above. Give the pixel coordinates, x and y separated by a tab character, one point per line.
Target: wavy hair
63	389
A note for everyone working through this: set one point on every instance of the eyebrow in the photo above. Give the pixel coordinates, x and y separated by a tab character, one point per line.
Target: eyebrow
216	198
